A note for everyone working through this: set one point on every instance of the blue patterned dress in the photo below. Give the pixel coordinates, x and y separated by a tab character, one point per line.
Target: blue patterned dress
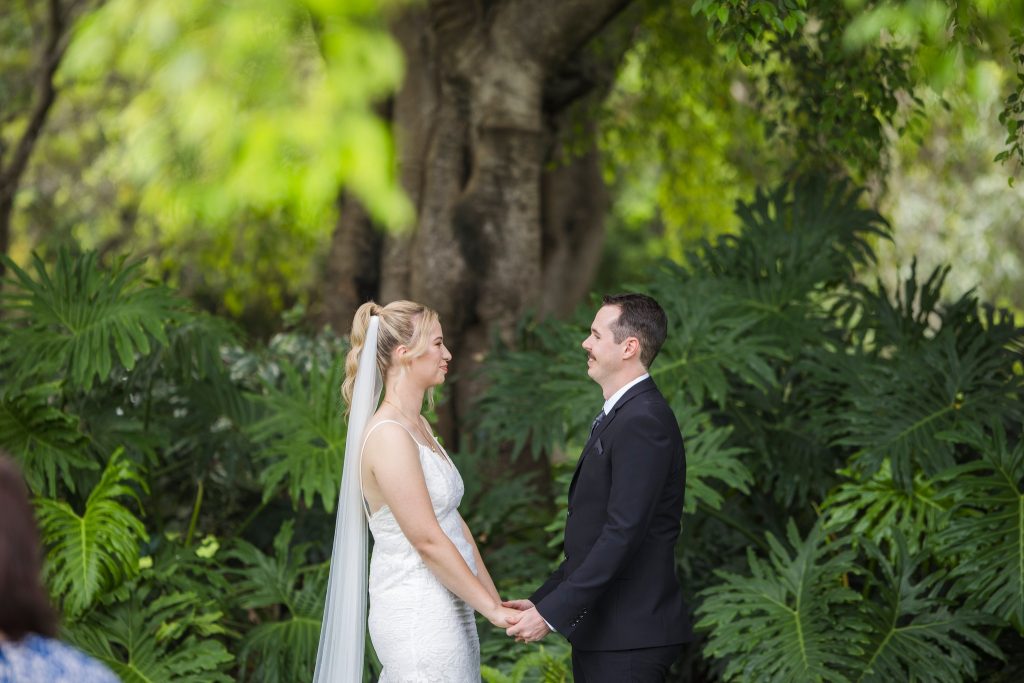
35	659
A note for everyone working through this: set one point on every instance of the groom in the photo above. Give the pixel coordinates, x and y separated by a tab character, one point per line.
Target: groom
616	597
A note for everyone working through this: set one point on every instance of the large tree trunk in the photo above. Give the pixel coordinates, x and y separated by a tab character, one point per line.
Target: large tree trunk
507	220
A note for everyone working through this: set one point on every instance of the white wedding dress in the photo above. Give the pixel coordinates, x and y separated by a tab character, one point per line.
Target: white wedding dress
421	631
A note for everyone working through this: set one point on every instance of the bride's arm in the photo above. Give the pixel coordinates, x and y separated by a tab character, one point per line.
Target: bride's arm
394	463
482	574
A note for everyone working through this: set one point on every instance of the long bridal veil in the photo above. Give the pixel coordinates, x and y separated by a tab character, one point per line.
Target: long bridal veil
339	657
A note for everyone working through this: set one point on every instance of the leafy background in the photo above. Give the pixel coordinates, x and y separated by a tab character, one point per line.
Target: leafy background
851	404
856	467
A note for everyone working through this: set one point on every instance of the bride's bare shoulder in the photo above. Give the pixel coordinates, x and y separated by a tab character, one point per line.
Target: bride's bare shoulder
384	435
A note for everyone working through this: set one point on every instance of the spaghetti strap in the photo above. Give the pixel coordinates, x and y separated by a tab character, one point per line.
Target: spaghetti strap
366	508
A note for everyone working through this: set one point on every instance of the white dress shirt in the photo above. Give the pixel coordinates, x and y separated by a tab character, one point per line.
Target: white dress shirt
614	398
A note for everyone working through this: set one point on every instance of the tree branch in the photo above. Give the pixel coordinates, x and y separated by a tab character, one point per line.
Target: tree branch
54	46
549	32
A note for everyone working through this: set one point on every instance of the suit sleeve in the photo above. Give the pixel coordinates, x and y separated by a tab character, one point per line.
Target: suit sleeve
556	578
641	462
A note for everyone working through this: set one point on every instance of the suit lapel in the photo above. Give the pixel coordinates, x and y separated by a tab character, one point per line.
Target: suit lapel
634	391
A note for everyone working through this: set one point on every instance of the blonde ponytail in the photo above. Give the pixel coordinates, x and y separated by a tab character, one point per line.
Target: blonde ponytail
401	323
360	323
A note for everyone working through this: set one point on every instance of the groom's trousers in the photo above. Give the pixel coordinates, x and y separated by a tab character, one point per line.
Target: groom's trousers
646	665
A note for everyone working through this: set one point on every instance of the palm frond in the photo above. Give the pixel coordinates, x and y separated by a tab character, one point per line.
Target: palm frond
93	552
79	321
785	622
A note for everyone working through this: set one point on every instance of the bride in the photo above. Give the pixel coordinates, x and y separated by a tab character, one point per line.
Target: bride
426	574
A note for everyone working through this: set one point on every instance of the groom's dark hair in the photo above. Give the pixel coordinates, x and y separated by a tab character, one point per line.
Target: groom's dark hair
642	317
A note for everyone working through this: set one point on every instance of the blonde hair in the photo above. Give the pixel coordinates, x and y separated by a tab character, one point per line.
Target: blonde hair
401	323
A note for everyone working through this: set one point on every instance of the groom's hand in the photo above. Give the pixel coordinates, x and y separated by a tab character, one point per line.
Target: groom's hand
531	626
521	605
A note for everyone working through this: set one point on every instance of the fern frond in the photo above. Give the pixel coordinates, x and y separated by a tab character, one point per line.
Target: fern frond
785	621
79	320
95	551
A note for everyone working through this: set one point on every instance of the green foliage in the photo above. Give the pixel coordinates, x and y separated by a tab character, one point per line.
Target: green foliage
145	640
942	364
876	508
830	78
1012	116
984	542
271	99
794	618
784	621
546	664
284	642
302	435
215	137
825	106
45	438
794	383
833	412
711	464
677	158
82	321
95	551
911	630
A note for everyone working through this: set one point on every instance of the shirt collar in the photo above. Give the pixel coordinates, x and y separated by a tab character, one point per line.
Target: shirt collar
614	398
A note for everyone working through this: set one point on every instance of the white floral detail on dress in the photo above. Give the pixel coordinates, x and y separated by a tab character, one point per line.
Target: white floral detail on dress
421	631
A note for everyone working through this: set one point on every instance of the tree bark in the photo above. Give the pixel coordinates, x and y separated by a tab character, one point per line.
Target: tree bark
54	43
507	222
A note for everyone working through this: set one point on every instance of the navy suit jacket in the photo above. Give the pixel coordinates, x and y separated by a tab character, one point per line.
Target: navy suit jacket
617	588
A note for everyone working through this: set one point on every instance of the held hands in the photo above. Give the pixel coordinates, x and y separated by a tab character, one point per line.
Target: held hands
527	626
502	615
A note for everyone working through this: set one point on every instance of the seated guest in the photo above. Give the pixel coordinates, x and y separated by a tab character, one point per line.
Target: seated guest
29	650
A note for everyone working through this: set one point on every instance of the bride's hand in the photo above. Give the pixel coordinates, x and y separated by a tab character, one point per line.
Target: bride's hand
503	617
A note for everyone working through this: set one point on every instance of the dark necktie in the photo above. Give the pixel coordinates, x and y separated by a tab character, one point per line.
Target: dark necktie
597	420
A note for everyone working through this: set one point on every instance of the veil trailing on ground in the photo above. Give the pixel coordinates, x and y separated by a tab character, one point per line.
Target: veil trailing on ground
339	657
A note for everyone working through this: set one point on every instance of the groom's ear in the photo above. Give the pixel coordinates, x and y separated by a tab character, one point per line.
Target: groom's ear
631	349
